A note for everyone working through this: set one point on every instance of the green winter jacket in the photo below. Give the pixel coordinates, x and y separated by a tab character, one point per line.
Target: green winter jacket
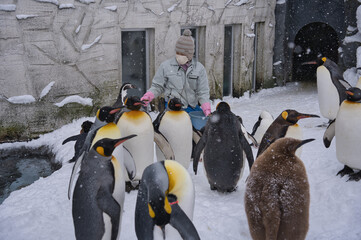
191	86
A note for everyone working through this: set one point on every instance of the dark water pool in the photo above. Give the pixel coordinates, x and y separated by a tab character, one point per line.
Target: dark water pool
21	167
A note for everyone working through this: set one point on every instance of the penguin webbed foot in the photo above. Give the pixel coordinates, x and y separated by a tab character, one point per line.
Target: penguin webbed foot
345	171
355	176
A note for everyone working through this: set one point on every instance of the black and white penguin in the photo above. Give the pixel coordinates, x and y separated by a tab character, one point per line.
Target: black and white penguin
223	144
133	120
79	139
265	119
97	202
176	126
103	116
331	87
347	130
277	197
165	199
123	94
285	125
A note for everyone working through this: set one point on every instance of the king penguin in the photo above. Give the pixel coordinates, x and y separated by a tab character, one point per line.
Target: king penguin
104	116
97	203
347	130
224	143
265	119
277	197
134	121
176	126
285	125
123	94
165	199
330	87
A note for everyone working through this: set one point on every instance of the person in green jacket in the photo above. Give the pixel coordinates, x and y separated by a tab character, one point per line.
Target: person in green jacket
182	77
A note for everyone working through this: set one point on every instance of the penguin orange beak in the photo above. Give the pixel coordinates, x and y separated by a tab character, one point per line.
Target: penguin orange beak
139	103
310	63
349	93
115	110
121	140
307	116
178	105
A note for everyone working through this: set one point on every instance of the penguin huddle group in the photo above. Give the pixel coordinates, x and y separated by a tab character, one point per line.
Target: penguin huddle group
117	151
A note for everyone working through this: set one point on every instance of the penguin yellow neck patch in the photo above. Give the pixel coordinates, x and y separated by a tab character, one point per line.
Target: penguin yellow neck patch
134	114
151	212
284	115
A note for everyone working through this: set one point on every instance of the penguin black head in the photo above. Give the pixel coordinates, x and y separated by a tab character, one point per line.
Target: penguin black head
292	116
133	103
85	126
107	114
106	146
354	94
223	107
123	92
175	104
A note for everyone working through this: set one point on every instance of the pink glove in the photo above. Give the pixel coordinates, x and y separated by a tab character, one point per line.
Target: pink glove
206	107
147	97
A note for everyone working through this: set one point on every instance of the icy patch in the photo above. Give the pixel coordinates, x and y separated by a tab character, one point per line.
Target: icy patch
353	38
23	16
78	29
49	1
87	1
24	99
171	9
112	8
66	5
281	2
7	7
241	2
250	35
277	63
46	89
227	3
75	99
86	46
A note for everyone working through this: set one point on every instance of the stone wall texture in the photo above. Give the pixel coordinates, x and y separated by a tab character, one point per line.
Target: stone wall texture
76	44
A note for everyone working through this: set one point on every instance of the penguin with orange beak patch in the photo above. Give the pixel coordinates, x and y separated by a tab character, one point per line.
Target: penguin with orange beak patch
176	127
347	130
97	206
133	120
285	125
165	199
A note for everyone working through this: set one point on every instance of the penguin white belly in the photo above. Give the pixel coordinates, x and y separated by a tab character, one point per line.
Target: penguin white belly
262	128
181	185
141	147
176	126
328	98
295	131
348	134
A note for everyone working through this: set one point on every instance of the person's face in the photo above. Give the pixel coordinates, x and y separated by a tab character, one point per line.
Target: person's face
181	59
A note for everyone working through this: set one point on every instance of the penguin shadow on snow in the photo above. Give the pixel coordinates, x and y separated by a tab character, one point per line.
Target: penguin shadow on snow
223	143
277	196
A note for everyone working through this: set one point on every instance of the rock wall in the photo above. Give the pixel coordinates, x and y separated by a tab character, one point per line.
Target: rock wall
55	49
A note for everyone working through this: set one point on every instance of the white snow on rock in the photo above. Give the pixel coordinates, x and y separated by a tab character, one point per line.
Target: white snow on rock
7	7
87	46
75	99
46	90
24	99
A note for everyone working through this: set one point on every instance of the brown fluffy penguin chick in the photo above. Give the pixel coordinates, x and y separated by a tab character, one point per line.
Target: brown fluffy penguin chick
277	197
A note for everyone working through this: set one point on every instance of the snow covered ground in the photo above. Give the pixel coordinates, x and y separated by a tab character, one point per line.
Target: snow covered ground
42	210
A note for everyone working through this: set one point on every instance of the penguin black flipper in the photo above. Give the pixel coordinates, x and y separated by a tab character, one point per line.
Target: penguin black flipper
198	150
129	163
247	149
144	224
72	138
196	136
111	207
329	134
156	121
247	134
180	221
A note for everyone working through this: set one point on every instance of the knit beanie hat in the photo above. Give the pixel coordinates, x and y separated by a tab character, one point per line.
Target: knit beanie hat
185	44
